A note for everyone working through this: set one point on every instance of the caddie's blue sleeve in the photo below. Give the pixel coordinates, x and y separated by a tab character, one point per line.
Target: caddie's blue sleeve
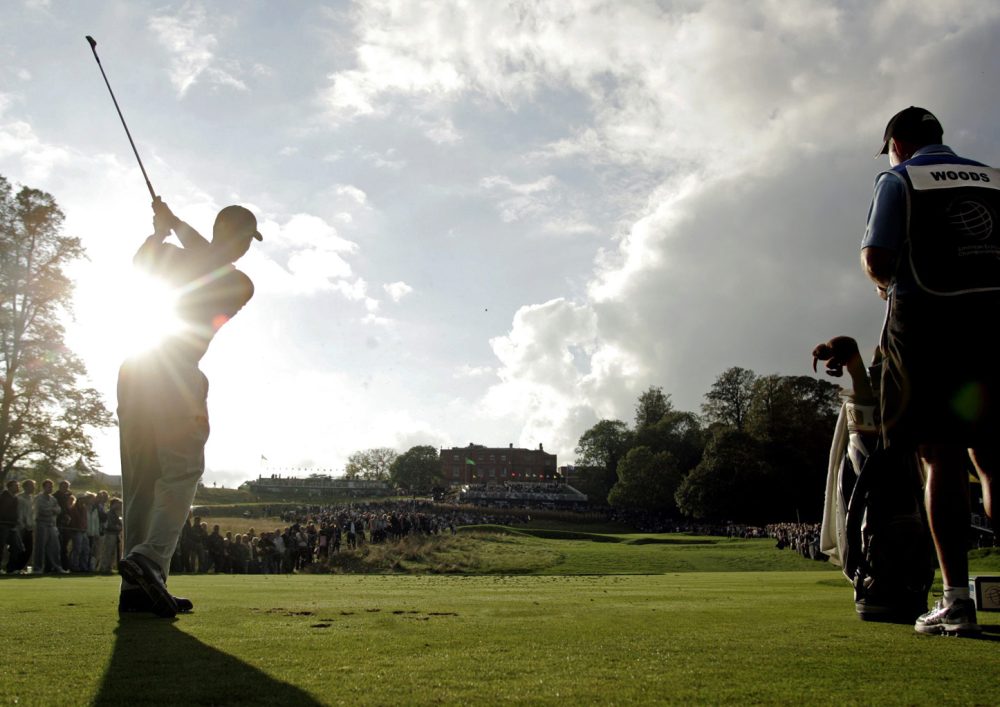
887	214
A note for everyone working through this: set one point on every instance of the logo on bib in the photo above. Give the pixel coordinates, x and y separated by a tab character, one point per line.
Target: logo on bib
970	219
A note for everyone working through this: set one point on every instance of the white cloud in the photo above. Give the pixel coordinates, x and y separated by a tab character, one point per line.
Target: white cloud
354	291
38	159
186	35
738	116
397	290
353	193
467	371
442	132
529	199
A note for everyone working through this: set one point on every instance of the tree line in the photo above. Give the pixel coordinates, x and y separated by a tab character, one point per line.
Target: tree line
757	453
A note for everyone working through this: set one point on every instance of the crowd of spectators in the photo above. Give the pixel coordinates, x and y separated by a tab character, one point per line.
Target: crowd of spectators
801	537
315	534
57	531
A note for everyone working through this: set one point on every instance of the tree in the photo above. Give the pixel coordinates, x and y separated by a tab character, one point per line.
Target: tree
45	413
646	481
417	469
794	416
733	481
653	404
372	464
602	446
679	433
728	401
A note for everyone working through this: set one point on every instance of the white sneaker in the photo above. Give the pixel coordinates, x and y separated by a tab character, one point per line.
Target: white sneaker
955	619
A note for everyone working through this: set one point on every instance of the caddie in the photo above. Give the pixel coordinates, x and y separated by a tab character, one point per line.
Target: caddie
933	251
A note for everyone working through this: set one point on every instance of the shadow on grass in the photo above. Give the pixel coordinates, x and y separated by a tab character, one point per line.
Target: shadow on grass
154	662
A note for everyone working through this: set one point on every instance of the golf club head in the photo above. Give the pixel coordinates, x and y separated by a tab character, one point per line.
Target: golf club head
92	42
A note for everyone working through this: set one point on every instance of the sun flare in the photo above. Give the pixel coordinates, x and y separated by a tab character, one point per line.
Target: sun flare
124	316
148	313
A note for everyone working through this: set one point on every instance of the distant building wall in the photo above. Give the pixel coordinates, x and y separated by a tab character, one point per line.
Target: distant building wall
479	464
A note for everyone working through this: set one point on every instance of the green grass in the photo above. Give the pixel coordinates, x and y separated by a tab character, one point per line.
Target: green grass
570	621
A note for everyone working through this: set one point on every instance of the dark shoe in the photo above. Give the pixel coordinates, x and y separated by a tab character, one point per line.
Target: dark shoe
135	601
137	569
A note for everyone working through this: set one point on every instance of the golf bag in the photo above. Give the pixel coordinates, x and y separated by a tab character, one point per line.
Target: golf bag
889	555
886	548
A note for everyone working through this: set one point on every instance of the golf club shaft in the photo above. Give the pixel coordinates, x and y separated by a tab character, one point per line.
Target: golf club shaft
93	48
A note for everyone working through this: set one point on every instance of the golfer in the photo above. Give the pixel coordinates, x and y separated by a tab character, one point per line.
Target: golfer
162	397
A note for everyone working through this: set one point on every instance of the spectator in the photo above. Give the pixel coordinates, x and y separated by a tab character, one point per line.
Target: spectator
79	546
111	540
46	532
63	522
10	540
25	524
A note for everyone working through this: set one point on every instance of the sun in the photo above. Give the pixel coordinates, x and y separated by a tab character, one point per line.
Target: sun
122	314
148	315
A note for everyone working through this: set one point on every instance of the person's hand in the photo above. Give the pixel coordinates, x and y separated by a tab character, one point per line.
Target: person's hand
837	352
164	220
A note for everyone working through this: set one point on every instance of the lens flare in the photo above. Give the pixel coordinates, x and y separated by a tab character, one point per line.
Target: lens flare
149	313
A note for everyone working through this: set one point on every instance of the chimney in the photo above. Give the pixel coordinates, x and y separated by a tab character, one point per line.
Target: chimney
540	447
511	445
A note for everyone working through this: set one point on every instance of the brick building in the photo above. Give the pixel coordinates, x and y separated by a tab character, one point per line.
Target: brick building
477	464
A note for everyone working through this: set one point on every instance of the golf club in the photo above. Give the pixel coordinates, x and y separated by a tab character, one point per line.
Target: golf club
93	48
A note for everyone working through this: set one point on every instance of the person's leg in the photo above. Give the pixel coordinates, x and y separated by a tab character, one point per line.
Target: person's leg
52	548
140	470
180	451
986	461
946	496
38	559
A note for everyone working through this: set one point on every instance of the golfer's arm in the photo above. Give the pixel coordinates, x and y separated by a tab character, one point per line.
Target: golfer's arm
189	238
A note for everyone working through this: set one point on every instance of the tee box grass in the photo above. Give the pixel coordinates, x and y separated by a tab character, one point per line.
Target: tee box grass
666	621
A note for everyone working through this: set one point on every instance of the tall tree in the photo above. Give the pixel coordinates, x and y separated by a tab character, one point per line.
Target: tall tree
45	412
646	481
417	469
728	402
794	416
679	433
603	445
733	482
372	464
652	405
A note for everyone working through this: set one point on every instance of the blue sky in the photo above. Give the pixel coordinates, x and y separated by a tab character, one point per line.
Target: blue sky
484	222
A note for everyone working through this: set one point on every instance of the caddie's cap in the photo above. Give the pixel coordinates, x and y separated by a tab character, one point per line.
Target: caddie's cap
913	125
238	219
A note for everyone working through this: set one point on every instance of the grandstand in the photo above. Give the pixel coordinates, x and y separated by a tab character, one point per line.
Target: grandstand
522	494
317	486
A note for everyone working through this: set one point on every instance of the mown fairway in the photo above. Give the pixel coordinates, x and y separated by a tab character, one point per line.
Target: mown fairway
682	633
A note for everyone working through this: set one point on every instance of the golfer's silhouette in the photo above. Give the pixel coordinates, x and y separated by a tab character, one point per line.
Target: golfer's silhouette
162	397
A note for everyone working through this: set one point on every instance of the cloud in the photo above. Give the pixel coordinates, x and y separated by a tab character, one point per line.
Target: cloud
353	193
528	200
467	371
397	290
38	159
744	129
186	35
